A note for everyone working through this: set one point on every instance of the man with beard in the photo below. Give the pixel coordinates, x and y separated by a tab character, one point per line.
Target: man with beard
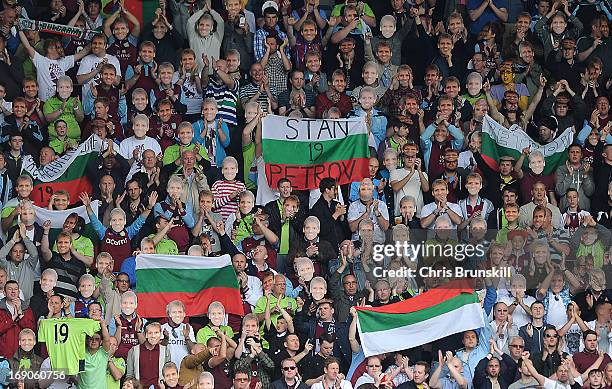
335	96
488	374
454	177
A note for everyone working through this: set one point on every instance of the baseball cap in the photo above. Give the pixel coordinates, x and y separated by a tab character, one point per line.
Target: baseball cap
268	4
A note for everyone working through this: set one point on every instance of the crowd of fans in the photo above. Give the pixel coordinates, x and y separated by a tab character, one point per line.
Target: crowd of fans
178	103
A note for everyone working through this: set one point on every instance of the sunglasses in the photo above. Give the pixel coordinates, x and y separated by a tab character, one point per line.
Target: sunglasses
551	336
287	368
517	346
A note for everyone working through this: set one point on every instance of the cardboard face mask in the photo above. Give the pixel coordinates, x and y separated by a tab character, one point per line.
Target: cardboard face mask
537	165
387	29
306	271
318	291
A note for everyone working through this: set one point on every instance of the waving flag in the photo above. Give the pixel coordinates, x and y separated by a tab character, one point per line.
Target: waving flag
498	140
422	319
67	172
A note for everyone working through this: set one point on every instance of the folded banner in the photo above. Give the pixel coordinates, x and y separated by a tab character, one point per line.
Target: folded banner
196	281
59	29
308	150
498	140
422	319
58	218
67	172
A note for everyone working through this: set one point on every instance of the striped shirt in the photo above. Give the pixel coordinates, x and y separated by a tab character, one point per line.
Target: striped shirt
226	99
222	191
249	90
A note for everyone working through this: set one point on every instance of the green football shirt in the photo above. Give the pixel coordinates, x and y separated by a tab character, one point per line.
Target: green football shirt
65	341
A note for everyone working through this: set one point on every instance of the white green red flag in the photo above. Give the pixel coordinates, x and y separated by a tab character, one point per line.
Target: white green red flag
422	319
196	281
68	172
498	141
307	150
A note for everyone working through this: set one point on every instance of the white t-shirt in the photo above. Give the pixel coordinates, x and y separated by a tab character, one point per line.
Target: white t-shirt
189	95
128	145
89	63
176	342
573	340
557	312
412	188
550	384
519	316
357	208
344	384
48	71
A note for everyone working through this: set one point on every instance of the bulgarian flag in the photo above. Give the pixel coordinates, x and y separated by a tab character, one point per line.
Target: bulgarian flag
308	150
196	281
422	319
67	172
498	140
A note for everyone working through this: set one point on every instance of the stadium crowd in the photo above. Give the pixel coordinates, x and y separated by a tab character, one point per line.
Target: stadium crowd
178	103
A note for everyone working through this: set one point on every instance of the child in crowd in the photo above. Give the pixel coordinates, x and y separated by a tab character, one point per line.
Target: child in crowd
174	208
123	41
140	105
212	133
62	143
132	148
129	325
116	239
227	191
178	334
85	297
187	77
